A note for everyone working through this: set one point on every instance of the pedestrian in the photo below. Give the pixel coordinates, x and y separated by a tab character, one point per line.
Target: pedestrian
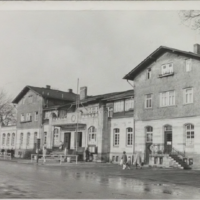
128	164
138	160
44	153
124	160
87	154
65	154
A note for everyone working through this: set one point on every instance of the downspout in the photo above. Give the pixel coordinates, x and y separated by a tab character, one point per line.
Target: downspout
133	118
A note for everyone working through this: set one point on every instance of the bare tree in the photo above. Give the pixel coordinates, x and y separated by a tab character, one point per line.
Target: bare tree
191	18
7	110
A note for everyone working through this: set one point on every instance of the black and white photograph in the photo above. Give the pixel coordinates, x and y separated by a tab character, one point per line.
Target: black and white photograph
99	103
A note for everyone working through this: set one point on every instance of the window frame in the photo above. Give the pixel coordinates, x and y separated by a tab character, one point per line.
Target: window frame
167	71
128	104
129	139
118	106
28	138
184	95
167	98
188	65
189	141
147	100
147	133
116	137
149	71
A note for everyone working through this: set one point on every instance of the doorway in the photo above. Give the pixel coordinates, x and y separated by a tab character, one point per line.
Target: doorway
149	142
67	140
167	139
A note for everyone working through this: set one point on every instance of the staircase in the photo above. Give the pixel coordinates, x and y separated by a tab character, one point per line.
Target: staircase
177	158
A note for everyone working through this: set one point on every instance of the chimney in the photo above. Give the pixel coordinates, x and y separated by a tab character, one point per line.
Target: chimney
197	48
48	86
70	90
83	93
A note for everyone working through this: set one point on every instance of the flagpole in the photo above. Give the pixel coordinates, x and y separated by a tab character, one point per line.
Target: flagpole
77	107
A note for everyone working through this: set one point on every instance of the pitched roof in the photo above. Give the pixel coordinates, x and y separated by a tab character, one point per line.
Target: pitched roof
47	93
155	55
122	95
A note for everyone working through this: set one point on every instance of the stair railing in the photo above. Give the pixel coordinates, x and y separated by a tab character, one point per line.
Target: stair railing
178	153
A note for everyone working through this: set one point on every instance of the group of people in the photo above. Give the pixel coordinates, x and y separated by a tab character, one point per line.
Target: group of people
126	162
11	151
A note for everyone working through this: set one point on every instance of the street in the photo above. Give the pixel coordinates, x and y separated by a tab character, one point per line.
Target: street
99	181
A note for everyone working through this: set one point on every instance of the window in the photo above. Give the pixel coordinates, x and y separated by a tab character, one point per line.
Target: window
36	116
116	137
119	106
28	139
28	117
35	137
8	139
22	118
110	112
129	104
188	65
21	139
167	98
149	134
92	134
13	139
45	137
4	139
189	134
167	69
188	95
56	136
129	136
148	101
149	73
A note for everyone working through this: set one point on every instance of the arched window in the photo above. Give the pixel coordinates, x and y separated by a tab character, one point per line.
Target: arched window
21	139
8	139
149	134
4	139
28	139
189	128
13	139
92	134
116	136
35	137
129	136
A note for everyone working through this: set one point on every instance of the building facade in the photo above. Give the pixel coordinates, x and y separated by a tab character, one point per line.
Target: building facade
167	111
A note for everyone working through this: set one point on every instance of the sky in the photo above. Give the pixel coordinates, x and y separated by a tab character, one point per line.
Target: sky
40	48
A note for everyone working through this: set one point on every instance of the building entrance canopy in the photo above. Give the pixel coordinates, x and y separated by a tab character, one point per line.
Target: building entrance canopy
72	126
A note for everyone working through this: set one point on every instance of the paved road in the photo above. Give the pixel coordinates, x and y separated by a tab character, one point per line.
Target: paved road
94	181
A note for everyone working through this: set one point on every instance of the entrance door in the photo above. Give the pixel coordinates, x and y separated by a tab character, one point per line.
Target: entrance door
168	139
67	140
149	141
78	139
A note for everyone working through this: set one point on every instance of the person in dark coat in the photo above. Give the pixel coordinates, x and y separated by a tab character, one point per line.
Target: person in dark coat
124	159
87	154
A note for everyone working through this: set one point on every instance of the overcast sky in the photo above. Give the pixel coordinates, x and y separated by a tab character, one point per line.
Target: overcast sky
40	48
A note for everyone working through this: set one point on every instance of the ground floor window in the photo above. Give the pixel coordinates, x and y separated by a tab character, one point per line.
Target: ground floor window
116	136
13	139
149	134
189	134
4	139
92	134
45	137
21	139
129	136
28	138
8	139
56	137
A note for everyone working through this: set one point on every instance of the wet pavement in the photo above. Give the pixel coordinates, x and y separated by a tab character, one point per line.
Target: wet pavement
95	181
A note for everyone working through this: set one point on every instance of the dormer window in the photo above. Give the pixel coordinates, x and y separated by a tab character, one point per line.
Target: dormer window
167	69
148	73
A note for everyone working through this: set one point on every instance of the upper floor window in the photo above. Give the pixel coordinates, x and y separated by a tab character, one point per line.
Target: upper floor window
3	139
28	138
188	65
188	95
13	139
148	101
22	117
167	98
167	69
129	103
148	73
129	136
36	116
8	139
28	117
92	134
116	137
119	106
110	112
189	134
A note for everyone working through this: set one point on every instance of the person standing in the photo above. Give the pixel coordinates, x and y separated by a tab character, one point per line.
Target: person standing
87	154
124	160
44	152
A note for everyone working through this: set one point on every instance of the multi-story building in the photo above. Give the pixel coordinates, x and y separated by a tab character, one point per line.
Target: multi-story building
167	96
30	103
